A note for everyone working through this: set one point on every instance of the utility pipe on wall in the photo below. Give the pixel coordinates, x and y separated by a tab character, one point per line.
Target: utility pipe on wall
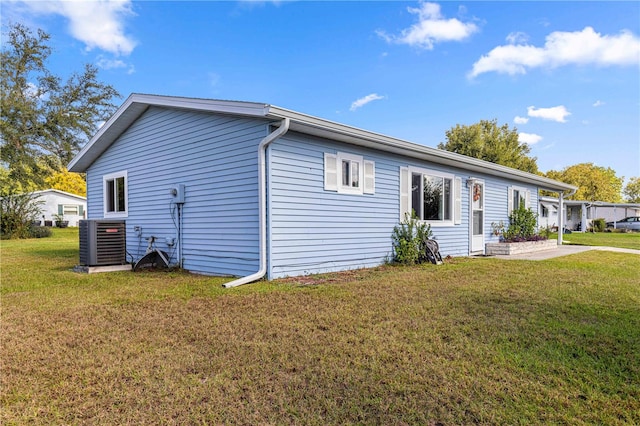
262	205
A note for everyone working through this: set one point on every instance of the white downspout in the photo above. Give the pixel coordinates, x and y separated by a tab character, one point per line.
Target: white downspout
262	205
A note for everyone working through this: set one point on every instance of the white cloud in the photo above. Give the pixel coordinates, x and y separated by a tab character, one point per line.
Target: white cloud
517	38
558	113
98	24
562	48
364	100
431	28
108	64
598	103
520	120
529	138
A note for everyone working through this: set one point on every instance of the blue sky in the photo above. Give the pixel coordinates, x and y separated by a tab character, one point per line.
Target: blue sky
566	74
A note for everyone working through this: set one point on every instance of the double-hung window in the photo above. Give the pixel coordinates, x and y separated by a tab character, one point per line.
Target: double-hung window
518	197
429	194
115	194
351	172
348	174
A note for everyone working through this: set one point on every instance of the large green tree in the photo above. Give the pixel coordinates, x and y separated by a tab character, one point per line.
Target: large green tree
632	190
44	120
488	141
595	183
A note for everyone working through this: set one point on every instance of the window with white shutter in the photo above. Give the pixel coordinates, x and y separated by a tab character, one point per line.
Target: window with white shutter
430	194
518	196
349	174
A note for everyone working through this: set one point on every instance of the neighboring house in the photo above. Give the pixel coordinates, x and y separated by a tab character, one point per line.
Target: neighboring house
71	207
578	215
240	188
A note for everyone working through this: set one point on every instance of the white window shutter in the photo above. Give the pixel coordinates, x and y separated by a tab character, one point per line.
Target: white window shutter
330	172
457	208
527	199
510	200
405	188
369	177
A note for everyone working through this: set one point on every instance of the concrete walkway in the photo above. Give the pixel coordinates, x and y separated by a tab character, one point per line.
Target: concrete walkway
562	251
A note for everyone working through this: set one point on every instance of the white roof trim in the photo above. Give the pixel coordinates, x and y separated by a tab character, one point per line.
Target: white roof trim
59	192
136	104
553	200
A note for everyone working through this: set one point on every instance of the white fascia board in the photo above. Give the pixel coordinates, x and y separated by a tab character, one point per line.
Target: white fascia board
105	135
253	109
57	191
589	203
136	104
325	128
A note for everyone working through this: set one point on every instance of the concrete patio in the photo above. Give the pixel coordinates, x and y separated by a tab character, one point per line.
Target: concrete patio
564	250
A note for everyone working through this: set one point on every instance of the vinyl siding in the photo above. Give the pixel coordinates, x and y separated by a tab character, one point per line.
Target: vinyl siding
314	231
310	230
215	157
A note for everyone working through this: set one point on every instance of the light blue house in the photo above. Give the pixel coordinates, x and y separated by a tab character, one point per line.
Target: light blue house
252	190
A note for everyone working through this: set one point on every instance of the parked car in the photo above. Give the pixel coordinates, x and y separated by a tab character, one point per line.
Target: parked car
632	223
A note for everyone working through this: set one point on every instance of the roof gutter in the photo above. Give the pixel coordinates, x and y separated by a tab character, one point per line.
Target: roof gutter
262	204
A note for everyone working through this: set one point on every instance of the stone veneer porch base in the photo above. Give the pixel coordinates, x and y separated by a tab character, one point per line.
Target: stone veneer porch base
493	249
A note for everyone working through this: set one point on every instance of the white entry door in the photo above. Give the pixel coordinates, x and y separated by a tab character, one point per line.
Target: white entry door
477	217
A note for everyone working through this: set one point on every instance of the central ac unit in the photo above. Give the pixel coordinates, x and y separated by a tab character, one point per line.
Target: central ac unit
102	242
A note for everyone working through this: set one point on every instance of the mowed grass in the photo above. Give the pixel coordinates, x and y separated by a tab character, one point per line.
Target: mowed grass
629	240
471	341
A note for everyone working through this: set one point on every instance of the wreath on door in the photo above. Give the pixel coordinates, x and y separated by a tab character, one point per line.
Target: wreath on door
476	192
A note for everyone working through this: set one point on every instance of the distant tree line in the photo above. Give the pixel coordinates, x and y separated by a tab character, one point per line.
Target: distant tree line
488	141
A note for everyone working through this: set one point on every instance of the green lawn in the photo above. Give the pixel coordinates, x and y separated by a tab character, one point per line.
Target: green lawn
472	341
630	240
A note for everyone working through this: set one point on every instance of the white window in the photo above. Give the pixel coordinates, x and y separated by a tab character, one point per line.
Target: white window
348	174
517	197
70	209
351	173
432	195
115	194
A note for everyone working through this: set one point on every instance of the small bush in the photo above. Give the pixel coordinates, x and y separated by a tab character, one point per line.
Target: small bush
409	240
40	232
17	214
522	227
599	225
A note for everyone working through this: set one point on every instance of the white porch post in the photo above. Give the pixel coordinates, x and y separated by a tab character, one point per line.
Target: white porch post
583	226
560	217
